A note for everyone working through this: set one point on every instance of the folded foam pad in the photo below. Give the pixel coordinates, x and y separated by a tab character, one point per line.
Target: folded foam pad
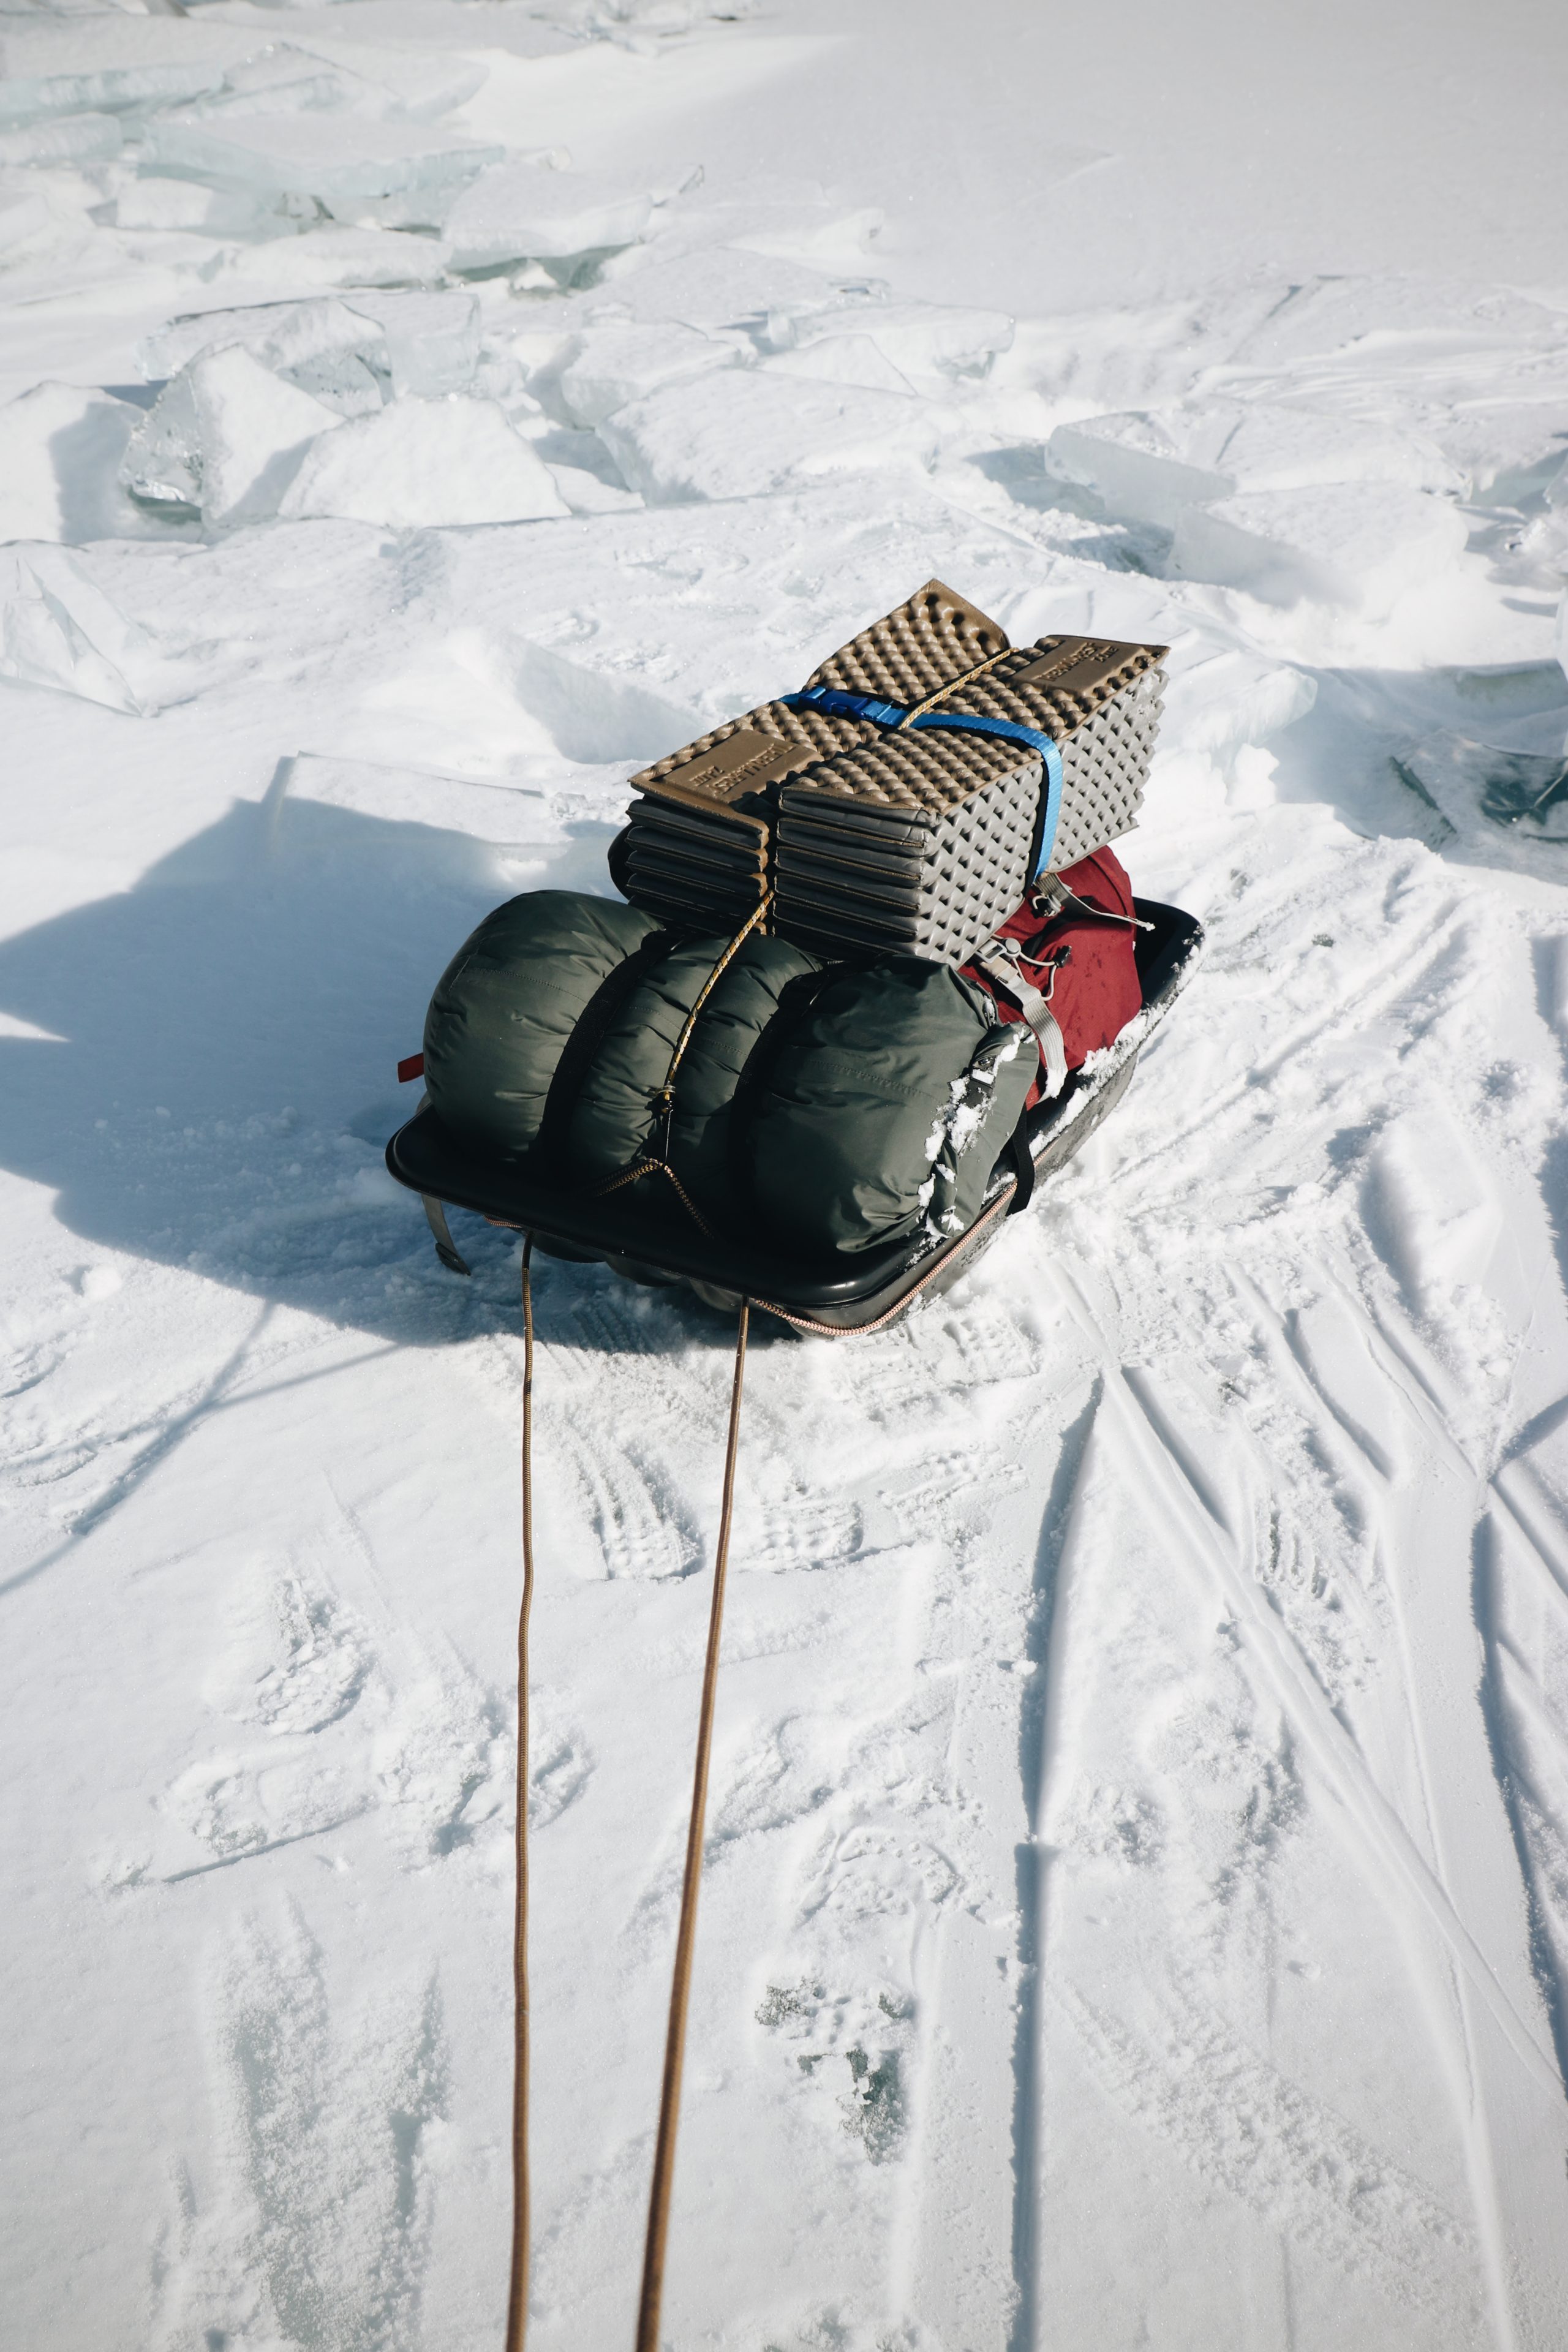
927	840
920	838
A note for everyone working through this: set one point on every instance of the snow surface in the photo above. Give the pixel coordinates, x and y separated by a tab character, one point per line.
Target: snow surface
1136	1910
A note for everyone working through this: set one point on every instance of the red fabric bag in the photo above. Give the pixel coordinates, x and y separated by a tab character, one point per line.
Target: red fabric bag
1081	963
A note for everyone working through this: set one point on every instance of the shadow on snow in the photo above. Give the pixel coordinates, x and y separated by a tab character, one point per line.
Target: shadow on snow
216	1075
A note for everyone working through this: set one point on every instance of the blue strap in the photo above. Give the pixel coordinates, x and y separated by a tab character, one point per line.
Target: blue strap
834	704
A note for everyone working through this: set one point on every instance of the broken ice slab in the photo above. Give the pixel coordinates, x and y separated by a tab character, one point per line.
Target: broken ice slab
63	139
740	432
1421	316
163	461
1149	465
1223	698
330	257
1509	788
424	463
159	204
33	98
1270	446
587	491
1499	800
255	428
520	212
640	26
918	338
322	346
432	340
57	629
1137	464
60	451
841	359
113	62
348	351
1360	545
1519	784
618	362
398	175
719	291
280	333
283	80
226	436
418	84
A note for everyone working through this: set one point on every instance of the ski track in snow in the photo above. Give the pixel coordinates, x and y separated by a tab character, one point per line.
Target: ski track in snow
1136	1899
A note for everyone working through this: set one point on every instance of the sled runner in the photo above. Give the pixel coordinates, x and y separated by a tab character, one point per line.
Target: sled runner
875	974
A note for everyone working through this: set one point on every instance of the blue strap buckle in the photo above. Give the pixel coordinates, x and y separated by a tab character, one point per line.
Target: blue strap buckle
834	704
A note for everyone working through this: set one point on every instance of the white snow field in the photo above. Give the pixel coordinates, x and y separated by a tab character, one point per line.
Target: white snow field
1136	1908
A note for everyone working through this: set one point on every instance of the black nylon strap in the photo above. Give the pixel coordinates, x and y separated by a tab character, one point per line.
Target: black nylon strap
447	1249
587	1037
1022	1161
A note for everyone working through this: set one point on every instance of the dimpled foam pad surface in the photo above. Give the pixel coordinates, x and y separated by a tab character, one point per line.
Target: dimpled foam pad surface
915	839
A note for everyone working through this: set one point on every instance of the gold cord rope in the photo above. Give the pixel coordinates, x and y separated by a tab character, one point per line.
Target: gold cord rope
747	927
681	1988
650	1162
517	2302
952	687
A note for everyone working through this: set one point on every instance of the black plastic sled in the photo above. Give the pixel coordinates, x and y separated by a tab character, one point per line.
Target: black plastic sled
828	1295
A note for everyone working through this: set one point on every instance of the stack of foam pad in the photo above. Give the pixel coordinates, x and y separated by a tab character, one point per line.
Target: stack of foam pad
875	835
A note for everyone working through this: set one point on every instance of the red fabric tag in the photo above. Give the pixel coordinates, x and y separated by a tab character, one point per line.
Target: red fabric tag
413	1066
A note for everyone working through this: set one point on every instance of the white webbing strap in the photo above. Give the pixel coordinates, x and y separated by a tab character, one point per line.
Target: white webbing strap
1032	1005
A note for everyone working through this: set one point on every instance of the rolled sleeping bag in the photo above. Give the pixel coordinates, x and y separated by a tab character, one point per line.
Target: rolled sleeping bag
609	1118
815	1109
885	1110
754	1003
614	1114
507	1003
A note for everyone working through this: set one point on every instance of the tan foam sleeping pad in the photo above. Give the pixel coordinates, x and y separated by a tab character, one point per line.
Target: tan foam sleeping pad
818	804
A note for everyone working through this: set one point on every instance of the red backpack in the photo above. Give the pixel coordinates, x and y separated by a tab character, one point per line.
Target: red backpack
1064	962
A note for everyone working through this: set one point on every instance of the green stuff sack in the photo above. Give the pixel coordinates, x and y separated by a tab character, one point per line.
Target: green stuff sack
507	1004
613	1119
815	1110
883	1112
727	1056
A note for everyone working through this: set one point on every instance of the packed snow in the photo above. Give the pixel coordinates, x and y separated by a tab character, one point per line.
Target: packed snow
1136	1904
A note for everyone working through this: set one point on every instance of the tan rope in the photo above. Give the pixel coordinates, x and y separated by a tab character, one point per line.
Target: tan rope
664	1099
517	2304
744	933
634	1175
952	687
680	1988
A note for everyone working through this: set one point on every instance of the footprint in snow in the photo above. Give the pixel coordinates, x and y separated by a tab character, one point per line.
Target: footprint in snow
310	2224
238	1805
295	1660
872	2042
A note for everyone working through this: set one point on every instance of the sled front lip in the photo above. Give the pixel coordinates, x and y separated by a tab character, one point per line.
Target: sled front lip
839	1293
